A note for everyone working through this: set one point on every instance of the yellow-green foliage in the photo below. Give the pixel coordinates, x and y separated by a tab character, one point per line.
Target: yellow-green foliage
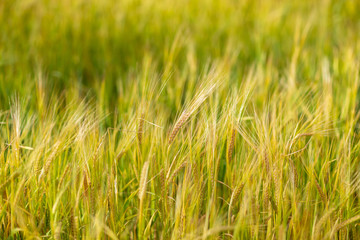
194	119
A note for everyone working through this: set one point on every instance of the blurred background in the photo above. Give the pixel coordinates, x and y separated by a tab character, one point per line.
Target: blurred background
103	45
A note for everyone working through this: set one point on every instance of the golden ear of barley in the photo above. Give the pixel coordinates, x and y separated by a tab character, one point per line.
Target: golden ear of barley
143	180
255	209
57	233
347	222
63	176
234	198
293	173
109	195
176	172
73	224
273	203
97	150
321	193
140	128
277	183
236	193
92	199
267	164
122	153
319	224
183	118
162	181
47	165
342	231
86	185
231	145
7	182
266	195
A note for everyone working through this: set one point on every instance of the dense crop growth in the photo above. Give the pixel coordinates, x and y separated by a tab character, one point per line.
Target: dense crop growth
159	119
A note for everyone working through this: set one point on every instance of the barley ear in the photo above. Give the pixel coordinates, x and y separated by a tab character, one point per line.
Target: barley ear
234	198
142	191
320	191
140	128
183	118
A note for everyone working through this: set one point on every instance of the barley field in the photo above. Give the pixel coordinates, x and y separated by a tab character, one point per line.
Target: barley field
190	119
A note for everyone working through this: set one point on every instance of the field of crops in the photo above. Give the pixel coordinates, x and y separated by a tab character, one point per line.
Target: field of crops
191	119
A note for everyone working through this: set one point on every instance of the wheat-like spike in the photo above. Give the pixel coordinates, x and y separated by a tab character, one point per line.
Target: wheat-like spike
255	209
97	150
341	231
236	193
347	222
293	173
321	192
143	180
92	199
63	176
182	222
11	178
319	224
273	203
73	224
183	118
86	184
276	181
47	165
234	198
176	172
16	118
231	145
267	164
142	191
196	103
141	128
57	232
266	195
163	181
201	188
